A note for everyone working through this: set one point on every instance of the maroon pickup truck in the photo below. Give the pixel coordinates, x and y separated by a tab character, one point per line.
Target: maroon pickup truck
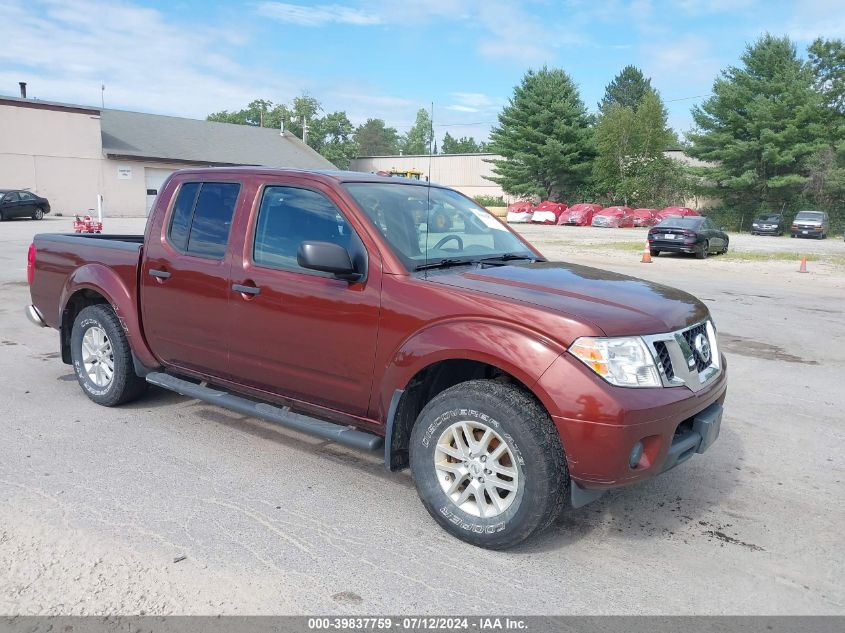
326	302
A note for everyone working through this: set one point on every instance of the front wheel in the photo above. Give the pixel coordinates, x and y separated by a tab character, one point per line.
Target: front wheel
488	463
38	215
102	358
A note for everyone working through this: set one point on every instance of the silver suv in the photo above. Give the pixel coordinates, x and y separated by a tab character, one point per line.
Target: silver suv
810	224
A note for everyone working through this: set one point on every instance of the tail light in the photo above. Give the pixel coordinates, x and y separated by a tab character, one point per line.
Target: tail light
30	264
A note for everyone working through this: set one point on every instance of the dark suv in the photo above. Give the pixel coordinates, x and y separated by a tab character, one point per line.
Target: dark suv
768	224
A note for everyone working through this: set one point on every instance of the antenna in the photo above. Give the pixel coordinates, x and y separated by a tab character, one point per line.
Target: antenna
428	191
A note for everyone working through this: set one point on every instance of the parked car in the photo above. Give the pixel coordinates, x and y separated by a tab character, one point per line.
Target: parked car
681	212
614	217
645	217
20	203
580	214
548	212
768	224
519	212
510	385
810	224
692	234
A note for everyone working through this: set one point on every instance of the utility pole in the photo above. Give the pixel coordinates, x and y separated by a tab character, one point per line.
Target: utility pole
304	130
103	95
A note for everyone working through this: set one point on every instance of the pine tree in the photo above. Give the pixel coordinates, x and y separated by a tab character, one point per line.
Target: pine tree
627	89
544	138
761	125
374	138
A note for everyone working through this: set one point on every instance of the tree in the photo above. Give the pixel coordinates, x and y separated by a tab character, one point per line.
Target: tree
374	138
544	137
630	166
419	137
331	135
761	125
827	60
627	89
463	145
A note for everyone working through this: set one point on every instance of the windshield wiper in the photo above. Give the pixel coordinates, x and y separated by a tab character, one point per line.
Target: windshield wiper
443	263
506	257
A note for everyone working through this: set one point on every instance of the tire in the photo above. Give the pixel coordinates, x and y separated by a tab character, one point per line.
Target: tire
38	215
792	235
705	251
509	416
2	216
124	385
654	252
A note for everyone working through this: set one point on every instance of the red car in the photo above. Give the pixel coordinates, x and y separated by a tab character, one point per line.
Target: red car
548	212
645	217
681	212
614	217
519	212
509	384
579	214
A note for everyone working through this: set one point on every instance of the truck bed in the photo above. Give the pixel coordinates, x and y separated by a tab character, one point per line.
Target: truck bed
60	255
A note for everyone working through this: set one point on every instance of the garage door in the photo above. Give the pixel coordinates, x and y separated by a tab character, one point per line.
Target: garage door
154	179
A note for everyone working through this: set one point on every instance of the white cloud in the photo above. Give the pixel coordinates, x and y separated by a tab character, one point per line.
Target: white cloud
145	60
815	18
317	15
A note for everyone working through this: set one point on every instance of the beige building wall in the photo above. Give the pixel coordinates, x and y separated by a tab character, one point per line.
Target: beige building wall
55	153
125	184
465	172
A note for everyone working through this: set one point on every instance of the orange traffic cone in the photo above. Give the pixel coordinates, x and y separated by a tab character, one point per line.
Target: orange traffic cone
646	254
803	268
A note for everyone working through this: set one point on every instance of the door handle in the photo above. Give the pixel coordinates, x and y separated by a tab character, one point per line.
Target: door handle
247	290
159	274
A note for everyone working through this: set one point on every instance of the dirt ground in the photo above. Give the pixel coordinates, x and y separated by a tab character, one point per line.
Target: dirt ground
171	506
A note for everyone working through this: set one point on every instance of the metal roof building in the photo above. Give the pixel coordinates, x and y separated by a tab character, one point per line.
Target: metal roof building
70	153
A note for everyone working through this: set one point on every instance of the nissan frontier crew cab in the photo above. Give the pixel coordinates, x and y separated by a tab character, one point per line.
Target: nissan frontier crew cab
328	303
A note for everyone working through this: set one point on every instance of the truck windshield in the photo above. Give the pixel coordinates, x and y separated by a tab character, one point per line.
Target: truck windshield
426	225
810	215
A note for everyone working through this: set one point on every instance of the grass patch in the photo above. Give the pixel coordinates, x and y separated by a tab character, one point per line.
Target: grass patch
624	246
759	256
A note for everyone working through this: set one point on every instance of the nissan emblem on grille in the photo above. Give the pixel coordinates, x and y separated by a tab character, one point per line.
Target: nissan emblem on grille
702	347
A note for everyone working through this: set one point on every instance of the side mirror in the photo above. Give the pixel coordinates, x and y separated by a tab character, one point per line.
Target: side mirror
328	258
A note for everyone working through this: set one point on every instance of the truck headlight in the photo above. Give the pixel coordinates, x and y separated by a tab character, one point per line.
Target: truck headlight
623	361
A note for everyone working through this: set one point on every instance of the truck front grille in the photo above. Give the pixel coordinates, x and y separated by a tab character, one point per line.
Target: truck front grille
688	357
690	335
663	357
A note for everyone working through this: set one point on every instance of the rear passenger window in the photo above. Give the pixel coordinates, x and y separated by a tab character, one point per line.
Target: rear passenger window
202	217
289	216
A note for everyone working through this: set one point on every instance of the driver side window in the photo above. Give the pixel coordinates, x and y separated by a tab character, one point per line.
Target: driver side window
289	216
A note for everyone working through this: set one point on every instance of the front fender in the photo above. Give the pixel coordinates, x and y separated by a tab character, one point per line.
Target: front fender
120	295
521	352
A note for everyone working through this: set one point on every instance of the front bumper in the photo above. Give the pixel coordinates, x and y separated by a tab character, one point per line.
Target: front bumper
599	423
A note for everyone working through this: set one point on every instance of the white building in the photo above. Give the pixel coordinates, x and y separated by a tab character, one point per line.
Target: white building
69	154
468	173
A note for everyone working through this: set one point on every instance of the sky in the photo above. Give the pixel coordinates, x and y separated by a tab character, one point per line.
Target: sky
381	58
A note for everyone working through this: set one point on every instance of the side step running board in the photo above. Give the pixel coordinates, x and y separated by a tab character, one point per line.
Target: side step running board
278	415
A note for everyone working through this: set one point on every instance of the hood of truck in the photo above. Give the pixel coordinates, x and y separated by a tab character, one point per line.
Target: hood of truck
617	304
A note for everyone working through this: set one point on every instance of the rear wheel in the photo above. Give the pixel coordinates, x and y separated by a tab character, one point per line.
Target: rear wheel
654	252
488	463
705	250
102	358
38	215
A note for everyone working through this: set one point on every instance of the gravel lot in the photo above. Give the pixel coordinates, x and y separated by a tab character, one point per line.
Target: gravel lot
99	504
